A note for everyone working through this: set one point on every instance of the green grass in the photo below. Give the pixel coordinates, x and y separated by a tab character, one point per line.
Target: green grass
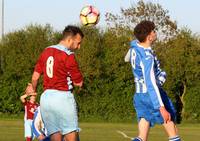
12	130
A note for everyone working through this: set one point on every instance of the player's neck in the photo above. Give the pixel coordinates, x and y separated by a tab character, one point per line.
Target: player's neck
64	44
145	44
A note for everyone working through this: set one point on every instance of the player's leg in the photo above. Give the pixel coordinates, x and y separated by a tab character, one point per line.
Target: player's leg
171	131
143	110
73	136
143	127
50	112
56	137
170	127
28	130
69	122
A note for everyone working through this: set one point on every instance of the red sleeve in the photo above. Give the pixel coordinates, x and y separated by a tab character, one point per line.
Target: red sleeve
39	64
73	68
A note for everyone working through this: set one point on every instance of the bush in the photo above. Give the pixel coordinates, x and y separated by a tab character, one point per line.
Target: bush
108	80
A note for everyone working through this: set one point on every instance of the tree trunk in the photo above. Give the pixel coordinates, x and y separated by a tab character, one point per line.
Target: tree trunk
182	98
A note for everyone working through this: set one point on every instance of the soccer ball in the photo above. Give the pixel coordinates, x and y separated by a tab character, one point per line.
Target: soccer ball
89	15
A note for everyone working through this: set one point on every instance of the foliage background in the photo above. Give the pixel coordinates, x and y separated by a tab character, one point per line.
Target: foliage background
108	80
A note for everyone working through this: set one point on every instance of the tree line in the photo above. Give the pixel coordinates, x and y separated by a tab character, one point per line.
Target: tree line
108	80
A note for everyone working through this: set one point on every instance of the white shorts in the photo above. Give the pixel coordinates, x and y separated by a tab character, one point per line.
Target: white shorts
59	111
28	128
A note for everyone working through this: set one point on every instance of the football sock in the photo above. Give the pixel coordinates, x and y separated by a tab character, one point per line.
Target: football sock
78	139
28	138
137	139
176	138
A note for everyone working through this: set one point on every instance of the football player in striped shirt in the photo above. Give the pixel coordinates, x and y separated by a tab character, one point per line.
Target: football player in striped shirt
151	102
39	131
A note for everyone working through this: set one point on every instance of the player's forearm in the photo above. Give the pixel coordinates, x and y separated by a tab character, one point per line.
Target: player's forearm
23	98
34	84
35	79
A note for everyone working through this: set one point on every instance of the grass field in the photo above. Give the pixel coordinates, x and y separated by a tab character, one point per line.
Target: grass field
12	130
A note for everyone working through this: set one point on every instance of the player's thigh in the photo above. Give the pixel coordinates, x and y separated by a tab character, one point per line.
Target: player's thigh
143	106
73	136
168	104
59	106
69	120
55	109
56	137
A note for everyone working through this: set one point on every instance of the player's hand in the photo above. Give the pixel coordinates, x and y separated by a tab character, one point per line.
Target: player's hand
80	84
165	114
33	93
29	90
41	137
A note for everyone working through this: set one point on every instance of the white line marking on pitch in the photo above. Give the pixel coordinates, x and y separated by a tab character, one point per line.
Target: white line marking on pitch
124	135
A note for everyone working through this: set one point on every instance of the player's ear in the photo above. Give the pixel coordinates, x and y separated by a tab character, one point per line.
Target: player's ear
149	38
68	41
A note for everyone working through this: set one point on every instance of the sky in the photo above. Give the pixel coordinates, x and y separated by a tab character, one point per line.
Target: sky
59	13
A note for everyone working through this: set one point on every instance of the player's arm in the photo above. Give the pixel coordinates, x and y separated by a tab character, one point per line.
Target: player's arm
128	56
149	77
131	54
152	88
28	92
75	73
159	73
35	78
23	98
161	78
37	71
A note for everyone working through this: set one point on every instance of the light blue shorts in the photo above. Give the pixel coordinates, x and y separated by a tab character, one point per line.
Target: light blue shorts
28	128
59	111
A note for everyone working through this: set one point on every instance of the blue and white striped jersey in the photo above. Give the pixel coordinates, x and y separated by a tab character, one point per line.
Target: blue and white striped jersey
147	73
38	125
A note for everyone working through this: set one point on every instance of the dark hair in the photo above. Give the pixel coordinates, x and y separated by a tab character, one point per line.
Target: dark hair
143	29
71	30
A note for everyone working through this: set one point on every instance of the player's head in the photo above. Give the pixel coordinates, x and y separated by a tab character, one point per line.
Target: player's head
72	37
145	31
32	98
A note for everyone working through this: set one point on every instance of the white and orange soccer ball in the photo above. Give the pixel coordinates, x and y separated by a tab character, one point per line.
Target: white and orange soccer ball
89	15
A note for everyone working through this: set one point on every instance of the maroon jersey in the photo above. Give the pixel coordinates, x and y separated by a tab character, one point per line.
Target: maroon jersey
59	68
29	109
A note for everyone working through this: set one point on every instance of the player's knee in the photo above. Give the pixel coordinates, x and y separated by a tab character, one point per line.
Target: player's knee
137	139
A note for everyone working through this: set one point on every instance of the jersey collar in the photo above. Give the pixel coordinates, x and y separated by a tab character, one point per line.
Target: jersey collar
62	48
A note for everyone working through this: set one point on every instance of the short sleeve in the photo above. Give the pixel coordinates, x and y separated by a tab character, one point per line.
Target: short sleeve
39	64
73	68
